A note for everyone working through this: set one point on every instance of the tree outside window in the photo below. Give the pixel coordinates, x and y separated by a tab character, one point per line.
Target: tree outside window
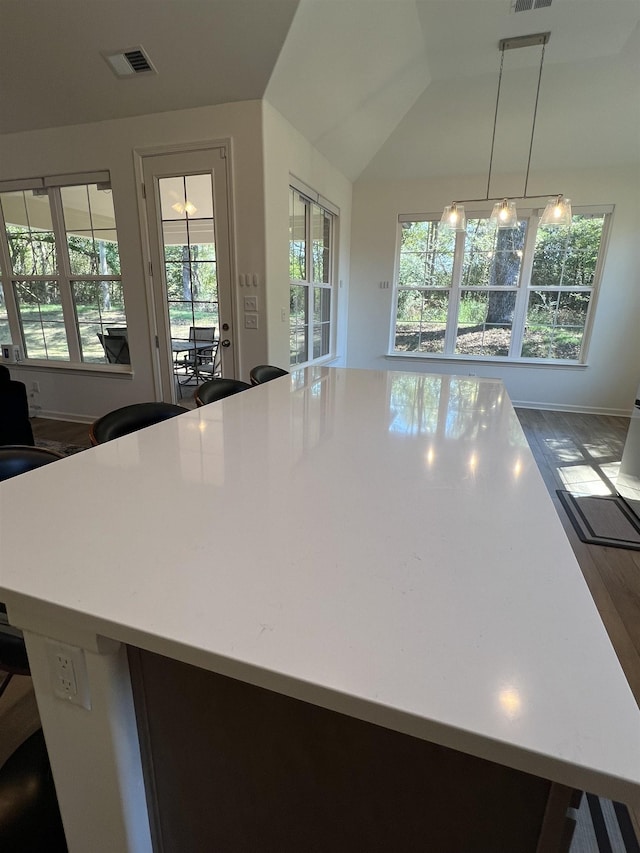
519	293
311	229
60	257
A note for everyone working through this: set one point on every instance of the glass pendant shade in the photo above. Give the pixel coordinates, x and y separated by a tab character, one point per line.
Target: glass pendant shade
504	214
454	217
557	212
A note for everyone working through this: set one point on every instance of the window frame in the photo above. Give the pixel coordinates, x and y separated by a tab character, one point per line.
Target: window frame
523	290
331	212
64	278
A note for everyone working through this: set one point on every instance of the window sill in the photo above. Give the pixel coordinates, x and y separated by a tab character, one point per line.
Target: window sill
318	362
121	371
471	359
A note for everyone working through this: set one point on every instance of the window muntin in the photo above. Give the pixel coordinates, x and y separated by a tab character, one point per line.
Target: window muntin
470	295
29	228
98	304
5	333
42	320
311	229
562	281
62	261
189	245
90	227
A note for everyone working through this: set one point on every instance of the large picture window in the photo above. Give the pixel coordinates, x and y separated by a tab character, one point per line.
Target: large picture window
311	229
521	293
60	261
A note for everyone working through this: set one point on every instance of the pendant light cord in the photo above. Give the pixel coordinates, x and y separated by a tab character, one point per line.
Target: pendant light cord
495	122
535	112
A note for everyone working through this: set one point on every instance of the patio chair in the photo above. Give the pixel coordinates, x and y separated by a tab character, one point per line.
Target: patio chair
116	348
202	356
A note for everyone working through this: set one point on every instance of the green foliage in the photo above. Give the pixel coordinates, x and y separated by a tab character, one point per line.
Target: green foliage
490	275
567	257
191	272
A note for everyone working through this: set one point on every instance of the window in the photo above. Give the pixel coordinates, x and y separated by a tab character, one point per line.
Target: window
517	293
311	229
59	257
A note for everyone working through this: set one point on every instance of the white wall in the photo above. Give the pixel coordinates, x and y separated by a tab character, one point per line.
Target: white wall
610	381
287	152
110	145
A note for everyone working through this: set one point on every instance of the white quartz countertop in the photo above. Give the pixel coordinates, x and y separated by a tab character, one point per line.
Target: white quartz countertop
379	543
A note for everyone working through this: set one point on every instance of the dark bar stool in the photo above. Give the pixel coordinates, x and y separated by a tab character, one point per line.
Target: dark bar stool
29	815
265	373
130	419
218	389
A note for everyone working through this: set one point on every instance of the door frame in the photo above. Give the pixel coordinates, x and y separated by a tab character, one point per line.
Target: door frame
139	155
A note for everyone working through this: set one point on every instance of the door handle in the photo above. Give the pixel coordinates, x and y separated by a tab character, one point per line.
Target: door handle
225	343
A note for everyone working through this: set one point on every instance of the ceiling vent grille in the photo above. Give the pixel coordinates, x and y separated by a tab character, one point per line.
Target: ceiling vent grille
528	5
129	62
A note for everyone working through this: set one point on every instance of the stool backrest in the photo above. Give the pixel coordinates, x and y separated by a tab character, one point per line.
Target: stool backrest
130	419
218	389
18	459
265	373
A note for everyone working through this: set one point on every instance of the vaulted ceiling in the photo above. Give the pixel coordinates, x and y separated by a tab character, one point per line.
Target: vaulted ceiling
383	88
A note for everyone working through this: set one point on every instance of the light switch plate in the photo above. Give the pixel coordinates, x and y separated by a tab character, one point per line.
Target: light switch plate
250	303
251	321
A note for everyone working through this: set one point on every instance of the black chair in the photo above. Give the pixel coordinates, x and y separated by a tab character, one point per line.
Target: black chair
29	814
130	419
18	459
218	389
15	460
116	348
265	373
15	426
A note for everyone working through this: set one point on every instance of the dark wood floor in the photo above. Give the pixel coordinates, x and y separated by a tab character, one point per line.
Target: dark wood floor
569	448
585	450
63	431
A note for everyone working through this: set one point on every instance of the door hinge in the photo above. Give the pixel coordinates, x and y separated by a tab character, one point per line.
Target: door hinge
150	269
144	190
223	153
157	342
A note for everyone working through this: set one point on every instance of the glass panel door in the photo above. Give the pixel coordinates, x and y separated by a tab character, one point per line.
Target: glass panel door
189	241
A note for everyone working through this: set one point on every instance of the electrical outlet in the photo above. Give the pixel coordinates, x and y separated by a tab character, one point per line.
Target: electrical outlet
35	387
251	303
68	671
251	321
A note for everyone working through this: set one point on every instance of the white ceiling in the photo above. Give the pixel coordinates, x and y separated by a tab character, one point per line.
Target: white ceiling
206	52
383	88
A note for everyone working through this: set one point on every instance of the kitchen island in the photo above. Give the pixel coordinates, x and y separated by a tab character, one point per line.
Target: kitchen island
375	546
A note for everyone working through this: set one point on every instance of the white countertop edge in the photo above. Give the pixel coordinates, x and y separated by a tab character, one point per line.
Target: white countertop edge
81	629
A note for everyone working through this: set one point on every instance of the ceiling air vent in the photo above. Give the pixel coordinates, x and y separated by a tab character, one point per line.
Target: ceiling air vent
528	5
126	63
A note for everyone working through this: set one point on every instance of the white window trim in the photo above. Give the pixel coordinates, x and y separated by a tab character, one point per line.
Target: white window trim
51	186
532	216
313	197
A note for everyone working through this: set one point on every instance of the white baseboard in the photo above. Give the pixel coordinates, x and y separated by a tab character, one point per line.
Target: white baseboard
583	410
61	416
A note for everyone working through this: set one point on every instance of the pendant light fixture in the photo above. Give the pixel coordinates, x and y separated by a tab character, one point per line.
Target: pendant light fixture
504	213
454	217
